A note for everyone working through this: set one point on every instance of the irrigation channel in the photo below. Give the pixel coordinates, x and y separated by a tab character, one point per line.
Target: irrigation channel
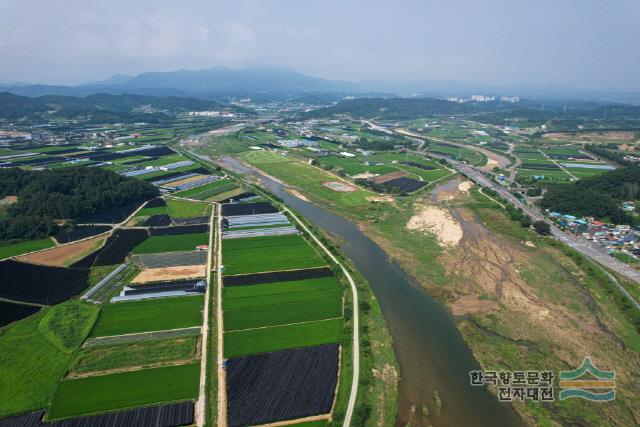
430	350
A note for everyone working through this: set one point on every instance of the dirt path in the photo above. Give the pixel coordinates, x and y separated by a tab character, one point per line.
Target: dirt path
558	164
201	403
222	374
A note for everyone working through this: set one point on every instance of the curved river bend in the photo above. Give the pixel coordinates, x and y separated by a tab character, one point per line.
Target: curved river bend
429	348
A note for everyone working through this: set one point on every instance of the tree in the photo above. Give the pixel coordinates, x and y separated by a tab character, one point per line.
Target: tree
542	228
526	222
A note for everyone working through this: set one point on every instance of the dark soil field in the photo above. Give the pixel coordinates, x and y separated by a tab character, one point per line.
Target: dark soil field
541	166
10	312
156	203
282	385
248	209
162	220
404	185
119	245
39	284
419	165
184	229
81	233
238	197
277	276
169	415
191	221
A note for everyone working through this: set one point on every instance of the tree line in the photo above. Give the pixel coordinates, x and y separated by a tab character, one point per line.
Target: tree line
599	196
45	198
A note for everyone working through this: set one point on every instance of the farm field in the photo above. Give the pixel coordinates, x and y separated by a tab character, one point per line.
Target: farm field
10	312
282	385
170	273
270	253
7	251
186	209
118	246
26	282
140	354
144	316
237	297
26	383
254	341
272	313
177	209
62	256
171	243
124	390
208	190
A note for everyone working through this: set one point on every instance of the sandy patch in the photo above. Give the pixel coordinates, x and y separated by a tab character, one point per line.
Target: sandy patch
186	180
365	175
340	187
170	273
388	177
62	255
465	186
385	199
438	221
471	304
297	194
8	200
491	163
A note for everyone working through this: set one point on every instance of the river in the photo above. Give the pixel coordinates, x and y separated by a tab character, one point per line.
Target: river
430	350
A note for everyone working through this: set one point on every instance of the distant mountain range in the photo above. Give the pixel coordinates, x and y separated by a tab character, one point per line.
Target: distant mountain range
224	83
125	107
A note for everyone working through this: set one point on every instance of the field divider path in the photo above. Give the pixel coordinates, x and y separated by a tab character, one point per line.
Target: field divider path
201	403
285	324
222	375
356	321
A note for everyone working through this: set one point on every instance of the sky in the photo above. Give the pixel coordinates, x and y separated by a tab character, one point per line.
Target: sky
591	44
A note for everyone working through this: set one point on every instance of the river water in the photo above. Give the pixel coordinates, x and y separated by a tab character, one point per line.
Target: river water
429	348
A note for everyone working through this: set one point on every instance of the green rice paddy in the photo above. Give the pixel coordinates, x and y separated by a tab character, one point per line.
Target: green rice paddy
124	390
270	253
151	315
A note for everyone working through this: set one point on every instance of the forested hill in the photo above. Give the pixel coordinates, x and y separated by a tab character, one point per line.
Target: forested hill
390	108
16	107
70	193
526	113
599	196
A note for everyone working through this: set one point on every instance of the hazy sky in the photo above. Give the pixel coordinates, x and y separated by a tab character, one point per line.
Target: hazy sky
581	43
